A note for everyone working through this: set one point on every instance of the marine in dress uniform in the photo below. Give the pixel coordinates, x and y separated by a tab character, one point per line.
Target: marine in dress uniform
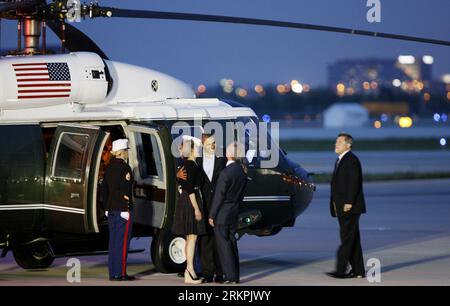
116	190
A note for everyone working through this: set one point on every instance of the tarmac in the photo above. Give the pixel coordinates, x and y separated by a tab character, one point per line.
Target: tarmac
406	229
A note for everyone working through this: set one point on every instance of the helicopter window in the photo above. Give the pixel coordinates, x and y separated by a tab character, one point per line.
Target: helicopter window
257	140
149	156
178	130
70	154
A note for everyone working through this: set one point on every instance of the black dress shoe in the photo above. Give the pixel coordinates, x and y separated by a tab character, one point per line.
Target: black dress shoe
207	279
115	279
230	282
335	274
351	274
218	279
127	277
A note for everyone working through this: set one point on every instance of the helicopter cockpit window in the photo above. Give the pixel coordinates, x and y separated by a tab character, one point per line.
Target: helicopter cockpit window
257	141
70	154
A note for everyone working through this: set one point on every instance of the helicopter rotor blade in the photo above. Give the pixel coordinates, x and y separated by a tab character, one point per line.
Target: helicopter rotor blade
75	40
20	5
115	12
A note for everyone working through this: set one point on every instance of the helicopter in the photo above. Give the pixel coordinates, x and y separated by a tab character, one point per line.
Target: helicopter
60	112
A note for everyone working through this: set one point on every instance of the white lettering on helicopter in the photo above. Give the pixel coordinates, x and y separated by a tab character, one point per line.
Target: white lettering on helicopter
74	273
374	13
255	138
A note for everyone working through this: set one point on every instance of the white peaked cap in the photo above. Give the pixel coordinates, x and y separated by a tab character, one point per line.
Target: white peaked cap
119	144
196	141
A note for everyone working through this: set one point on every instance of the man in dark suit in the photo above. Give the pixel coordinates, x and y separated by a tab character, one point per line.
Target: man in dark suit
223	215
347	204
211	166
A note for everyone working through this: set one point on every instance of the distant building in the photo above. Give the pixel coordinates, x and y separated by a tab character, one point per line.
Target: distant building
341	115
351	76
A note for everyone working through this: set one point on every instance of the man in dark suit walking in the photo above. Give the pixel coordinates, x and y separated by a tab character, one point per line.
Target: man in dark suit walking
347	204
223	215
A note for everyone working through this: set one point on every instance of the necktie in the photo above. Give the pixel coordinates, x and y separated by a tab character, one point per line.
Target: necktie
336	164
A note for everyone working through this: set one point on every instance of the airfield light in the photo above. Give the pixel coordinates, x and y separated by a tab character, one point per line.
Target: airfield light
405	85
405	122
201	89
436	117
293	82
420	85
340	89
281	89
228	89
384	117
266	118
307	88
428	59
406	59
443	141
446	78
287	88
373	85
448	95
396	83
366	85
241	92
444	117
259	89
426	97
377	124
297	88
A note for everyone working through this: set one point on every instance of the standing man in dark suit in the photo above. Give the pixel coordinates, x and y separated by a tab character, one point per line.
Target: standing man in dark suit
347	204
223	216
211	166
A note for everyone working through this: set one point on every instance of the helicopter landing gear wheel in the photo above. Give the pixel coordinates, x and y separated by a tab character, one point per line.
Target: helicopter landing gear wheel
34	257
167	251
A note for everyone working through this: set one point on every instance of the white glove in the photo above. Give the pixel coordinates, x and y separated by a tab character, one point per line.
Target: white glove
106	213
125	215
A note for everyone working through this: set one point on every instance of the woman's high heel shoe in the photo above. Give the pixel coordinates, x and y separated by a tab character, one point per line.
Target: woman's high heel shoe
188	279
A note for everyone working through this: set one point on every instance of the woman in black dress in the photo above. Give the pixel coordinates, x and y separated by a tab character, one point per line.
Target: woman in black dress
189	219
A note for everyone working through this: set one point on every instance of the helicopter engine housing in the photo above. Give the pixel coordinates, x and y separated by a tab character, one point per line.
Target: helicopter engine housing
48	80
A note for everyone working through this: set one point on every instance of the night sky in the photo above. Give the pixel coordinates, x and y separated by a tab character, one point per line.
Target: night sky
199	52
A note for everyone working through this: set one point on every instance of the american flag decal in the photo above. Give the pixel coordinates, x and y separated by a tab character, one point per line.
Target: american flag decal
42	80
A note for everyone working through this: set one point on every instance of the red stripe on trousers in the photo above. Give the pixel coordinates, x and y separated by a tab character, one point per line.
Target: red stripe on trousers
124	251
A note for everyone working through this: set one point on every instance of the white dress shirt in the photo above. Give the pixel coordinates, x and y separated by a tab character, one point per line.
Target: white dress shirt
342	155
230	162
208	165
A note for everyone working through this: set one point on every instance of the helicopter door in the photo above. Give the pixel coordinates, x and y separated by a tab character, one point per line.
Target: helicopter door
73	159
150	155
